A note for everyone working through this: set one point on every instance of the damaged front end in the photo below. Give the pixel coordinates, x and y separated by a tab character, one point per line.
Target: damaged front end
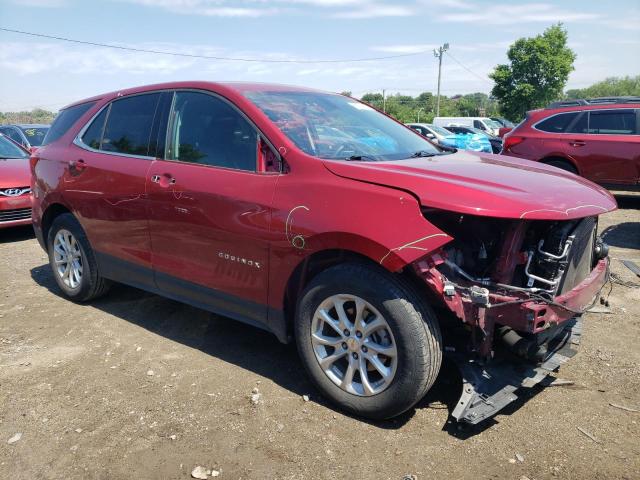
519	287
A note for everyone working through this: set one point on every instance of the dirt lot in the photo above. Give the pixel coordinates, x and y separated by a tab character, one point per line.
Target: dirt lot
137	386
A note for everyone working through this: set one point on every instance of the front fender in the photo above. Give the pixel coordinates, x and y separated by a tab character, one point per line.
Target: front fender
383	224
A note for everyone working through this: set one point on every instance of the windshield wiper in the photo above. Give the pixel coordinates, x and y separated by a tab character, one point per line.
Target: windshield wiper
360	158
423	153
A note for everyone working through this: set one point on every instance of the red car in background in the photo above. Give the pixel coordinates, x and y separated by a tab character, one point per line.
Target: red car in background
598	139
15	178
318	218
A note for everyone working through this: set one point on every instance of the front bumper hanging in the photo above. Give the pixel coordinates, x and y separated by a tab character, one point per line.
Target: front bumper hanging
487	389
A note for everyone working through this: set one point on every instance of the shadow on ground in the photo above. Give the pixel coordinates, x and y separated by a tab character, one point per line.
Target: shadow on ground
16	234
256	350
623	235
628	201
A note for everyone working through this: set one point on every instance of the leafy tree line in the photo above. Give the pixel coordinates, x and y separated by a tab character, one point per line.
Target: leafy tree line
422	107
37	115
609	87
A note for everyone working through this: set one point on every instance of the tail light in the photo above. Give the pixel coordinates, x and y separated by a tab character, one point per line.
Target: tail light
511	141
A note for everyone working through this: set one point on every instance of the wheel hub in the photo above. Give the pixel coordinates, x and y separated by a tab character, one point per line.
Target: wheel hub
353	344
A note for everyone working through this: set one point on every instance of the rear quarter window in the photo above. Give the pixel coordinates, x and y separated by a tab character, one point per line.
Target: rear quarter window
557	123
65	120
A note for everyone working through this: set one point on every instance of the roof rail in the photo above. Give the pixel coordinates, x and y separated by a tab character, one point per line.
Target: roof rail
594	101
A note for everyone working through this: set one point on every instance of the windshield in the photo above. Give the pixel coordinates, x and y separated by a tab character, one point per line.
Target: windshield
493	124
8	149
337	127
439	130
35	135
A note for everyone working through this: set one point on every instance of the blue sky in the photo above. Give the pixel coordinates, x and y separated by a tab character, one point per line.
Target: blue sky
39	72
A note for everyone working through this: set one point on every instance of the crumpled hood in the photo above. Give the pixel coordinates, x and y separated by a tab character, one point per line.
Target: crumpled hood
485	184
14	172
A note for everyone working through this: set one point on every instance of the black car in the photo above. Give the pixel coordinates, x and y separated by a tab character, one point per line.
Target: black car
28	135
496	142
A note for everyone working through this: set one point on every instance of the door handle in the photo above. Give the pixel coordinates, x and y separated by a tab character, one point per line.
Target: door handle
577	143
77	165
163	180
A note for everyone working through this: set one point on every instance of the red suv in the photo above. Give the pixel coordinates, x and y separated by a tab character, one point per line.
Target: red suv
324	221
598	139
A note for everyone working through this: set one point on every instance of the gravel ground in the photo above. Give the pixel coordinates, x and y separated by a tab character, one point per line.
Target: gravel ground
138	386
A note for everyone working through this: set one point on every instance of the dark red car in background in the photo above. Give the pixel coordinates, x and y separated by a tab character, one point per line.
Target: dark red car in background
15	181
598	139
324	221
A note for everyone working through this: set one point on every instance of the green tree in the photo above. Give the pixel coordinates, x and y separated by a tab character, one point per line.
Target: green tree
537	73
609	87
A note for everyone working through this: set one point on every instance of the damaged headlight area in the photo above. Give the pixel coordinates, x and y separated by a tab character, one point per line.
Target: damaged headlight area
520	287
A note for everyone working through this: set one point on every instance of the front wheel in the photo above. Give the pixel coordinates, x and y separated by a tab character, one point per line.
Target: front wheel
367	340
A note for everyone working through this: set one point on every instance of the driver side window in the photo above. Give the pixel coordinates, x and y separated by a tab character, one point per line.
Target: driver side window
208	131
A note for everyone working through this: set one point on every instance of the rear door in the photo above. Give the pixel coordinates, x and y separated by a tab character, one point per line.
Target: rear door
611	147
106	185
210	209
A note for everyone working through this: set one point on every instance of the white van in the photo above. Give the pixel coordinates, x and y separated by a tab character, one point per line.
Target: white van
483	123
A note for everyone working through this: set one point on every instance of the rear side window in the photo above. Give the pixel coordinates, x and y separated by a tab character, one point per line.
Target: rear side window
208	131
129	122
612	122
557	123
93	135
64	121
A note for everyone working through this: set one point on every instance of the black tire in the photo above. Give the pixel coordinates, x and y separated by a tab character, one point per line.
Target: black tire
413	325
563	165
91	285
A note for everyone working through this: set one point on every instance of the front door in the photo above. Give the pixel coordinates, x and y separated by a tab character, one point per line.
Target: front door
210	210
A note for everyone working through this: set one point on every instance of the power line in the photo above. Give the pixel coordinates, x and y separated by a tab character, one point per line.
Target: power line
206	57
484	79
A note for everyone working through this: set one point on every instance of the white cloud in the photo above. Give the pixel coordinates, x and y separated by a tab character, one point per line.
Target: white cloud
211	8
348	9
376	10
523	13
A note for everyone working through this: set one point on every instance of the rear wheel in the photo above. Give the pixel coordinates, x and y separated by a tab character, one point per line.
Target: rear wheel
367	340
73	261
563	165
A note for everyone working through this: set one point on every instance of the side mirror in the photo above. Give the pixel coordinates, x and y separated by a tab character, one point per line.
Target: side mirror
431	136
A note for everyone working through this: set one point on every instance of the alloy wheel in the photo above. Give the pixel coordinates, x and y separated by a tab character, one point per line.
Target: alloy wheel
67	258
354	345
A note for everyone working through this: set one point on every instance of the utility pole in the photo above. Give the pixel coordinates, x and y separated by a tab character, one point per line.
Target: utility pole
384	101
438	54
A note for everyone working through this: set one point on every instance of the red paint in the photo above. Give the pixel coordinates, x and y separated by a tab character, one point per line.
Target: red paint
602	158
201	227
14	173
